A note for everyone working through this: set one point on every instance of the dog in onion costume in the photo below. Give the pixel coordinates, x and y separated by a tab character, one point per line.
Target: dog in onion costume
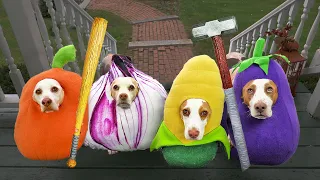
116	126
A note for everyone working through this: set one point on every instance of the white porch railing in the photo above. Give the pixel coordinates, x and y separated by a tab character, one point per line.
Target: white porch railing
70	25
285	13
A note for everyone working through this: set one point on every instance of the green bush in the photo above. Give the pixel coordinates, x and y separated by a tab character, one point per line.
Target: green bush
44	9
5	81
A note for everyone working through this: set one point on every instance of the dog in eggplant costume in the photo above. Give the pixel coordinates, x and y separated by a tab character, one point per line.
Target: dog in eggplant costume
274	139
199	79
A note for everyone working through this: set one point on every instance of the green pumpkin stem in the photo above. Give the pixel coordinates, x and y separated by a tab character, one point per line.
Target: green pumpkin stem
63	56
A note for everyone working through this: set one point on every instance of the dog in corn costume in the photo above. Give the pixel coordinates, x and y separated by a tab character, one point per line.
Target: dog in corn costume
199	78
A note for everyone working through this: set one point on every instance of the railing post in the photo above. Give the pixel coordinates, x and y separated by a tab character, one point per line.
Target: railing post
25	28
313	106
15	74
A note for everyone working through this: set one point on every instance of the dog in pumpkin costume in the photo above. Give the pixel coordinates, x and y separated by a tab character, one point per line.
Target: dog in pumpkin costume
48	136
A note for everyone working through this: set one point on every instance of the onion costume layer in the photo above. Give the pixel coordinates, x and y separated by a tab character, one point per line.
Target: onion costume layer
48	136
199	78
274	140
111	127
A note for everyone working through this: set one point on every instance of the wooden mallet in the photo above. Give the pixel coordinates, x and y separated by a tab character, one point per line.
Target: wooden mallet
214	29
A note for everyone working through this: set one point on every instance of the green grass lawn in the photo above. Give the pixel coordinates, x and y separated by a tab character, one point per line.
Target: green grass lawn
247	12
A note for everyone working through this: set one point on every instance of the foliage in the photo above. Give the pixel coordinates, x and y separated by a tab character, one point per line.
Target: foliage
5	81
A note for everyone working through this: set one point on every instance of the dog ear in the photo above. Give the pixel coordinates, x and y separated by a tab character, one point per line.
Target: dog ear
111	89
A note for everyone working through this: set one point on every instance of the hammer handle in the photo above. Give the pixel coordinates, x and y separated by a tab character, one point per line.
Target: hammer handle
222	61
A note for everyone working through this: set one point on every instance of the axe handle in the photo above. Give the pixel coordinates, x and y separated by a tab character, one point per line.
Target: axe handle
221	59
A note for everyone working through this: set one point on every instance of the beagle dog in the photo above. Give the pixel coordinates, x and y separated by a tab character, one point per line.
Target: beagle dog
124	90
49	94
194	114
260	95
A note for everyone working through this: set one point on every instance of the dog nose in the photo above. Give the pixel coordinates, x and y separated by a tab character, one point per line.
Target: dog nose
46	102
260	106
193	133
123	96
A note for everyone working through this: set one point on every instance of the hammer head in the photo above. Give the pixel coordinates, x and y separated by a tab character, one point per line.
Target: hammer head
215	28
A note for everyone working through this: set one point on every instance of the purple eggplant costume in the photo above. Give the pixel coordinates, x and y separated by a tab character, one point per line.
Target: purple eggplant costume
274	140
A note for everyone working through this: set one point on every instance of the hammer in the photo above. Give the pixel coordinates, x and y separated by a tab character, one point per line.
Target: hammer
214	29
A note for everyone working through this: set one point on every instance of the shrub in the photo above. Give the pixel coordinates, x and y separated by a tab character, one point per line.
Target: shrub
5	81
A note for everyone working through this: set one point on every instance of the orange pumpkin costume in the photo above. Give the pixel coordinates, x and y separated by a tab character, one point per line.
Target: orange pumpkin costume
48	136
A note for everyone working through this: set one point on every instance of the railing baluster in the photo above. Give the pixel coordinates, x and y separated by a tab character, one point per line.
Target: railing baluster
306	7
43	30
59	5
87	29
79	27
253	42
271	24
2	95
14	72
293	12
55	28
281	18
247	44
238	45
242	43
262	30
311	35
69	15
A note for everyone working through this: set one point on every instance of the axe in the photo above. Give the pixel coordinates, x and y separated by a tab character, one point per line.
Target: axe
214	29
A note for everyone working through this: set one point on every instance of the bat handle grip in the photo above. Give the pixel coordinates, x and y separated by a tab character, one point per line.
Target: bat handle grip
221	60
72	160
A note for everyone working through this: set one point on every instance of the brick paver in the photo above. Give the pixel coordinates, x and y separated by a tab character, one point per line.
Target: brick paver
159	30
129	10
162	62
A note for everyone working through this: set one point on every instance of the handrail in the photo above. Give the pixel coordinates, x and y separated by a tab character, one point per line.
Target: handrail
266	17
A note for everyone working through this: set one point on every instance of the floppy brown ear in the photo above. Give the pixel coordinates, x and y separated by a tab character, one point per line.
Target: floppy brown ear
111	89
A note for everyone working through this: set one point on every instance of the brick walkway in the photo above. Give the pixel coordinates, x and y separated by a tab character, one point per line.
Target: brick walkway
162	62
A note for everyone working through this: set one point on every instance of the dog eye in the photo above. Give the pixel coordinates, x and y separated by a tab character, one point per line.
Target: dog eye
204	113
54	89
115	87
269	89
185	112
38	91
250	91
131	87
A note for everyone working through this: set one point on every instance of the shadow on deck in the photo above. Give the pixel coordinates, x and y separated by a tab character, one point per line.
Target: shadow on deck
93	164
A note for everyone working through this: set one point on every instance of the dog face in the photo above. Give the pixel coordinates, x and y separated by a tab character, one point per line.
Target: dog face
124	90
49	94
260	95
195	114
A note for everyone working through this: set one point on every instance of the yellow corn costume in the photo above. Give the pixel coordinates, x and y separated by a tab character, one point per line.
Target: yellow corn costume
199	78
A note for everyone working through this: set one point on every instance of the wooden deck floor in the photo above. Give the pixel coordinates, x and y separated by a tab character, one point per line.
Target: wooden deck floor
305	165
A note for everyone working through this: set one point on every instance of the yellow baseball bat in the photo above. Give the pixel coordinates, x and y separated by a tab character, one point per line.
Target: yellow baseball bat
98	32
